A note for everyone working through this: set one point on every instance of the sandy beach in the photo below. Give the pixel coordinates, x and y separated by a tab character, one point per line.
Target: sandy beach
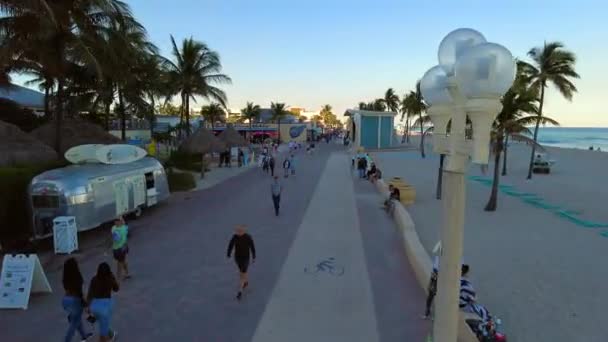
535	264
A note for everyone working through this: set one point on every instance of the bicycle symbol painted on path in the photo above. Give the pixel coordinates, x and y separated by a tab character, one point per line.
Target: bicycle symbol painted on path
328	266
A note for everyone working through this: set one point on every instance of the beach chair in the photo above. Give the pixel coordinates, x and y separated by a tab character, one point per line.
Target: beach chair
542	163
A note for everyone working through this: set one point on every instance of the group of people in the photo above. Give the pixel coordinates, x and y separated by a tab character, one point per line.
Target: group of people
242	157
98	303
366	168
241	242
289	165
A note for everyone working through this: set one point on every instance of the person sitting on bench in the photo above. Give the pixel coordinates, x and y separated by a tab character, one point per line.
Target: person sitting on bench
395	195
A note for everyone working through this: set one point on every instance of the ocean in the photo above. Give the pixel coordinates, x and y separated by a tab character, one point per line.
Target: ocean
574	137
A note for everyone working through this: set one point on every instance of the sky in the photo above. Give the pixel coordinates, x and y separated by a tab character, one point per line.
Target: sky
308	53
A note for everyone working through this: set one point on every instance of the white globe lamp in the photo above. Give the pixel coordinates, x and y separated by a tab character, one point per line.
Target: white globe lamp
483	74
455	44
433	87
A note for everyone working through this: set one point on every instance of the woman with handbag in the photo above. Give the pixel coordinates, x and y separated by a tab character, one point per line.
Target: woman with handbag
100	299
73	302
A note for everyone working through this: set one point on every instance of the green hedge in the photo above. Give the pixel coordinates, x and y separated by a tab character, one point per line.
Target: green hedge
185	161
180	181
15	219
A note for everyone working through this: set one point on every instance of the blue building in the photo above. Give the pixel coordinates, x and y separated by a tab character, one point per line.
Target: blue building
370	129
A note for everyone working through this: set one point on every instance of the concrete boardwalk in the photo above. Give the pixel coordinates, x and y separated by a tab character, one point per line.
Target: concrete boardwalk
324	306
183	286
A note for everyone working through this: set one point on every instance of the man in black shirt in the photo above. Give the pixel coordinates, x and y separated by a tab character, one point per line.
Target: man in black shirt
242	243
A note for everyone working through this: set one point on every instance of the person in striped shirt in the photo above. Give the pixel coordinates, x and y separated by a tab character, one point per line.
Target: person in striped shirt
468	296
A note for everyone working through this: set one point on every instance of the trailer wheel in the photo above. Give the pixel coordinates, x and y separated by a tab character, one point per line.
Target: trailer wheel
137	212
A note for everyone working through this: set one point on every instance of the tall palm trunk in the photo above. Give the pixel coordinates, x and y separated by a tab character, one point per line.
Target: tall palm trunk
279	125
47	95
250	129
123	116
107	105
504	159
538	119
493	201
421	136
152	116
59	114
187	115
440	176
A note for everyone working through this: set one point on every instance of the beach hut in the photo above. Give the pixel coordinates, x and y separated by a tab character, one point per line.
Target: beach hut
371	129
231	137
73	133
202	141
18	147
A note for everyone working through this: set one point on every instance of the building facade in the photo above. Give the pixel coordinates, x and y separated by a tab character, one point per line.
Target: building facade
370	129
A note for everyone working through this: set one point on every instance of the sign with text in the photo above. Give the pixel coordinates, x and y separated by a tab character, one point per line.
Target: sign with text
21	275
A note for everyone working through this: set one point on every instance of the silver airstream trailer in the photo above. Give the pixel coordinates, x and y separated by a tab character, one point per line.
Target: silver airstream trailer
95	193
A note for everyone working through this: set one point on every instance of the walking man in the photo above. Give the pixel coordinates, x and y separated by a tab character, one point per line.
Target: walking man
286	167
271	165
120	248
275	191
242	243
292	164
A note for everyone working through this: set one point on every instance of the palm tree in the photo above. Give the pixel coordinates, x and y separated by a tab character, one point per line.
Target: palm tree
251	112
55	35
326	115
519	108
552	64
405	113
391	100
193	72
279	111
213	113
414	105
316	119
377	105
132	64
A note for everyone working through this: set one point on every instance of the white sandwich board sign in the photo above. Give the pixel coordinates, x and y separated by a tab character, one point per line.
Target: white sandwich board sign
21	276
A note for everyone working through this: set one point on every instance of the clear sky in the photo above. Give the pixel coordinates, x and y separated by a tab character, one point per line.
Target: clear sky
311	52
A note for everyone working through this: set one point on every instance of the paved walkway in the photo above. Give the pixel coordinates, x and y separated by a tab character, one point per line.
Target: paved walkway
324	306
183	286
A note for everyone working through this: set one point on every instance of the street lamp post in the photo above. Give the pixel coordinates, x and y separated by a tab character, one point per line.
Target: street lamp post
470	79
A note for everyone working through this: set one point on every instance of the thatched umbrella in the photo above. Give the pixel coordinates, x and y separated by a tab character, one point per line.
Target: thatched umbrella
18	147
73	133
231	137
202	141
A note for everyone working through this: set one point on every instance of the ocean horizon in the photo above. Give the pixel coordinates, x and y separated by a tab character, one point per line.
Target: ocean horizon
574	137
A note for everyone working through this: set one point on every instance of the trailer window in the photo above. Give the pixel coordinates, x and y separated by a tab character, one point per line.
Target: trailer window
149	180
45	201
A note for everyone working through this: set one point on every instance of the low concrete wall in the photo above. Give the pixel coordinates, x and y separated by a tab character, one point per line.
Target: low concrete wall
418	257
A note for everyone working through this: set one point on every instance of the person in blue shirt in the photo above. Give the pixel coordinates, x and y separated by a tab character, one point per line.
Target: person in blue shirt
120	248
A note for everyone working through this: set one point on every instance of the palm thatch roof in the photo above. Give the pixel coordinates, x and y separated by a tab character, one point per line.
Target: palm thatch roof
18	147
231	137
73	133
202	141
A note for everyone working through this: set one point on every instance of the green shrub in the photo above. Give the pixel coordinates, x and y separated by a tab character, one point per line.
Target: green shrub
15	218
180	181
186	161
